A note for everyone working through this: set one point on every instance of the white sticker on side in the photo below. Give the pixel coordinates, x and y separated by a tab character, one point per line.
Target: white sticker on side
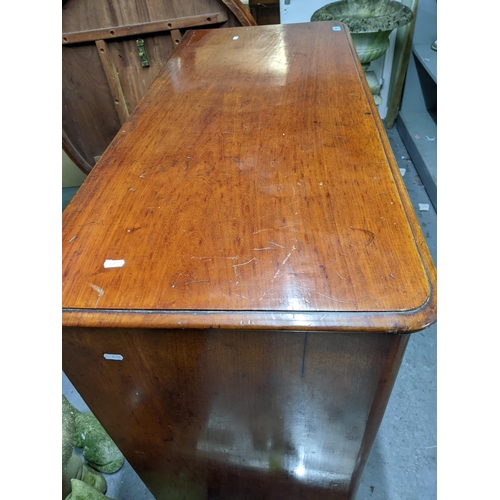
117	357
114	263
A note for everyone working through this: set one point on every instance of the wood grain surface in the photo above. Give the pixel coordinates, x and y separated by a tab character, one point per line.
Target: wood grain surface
253	186
92	112
241	267
238	415
115	32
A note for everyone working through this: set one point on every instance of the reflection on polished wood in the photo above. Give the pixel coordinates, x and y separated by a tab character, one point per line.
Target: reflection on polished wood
270	268
216	410
102	74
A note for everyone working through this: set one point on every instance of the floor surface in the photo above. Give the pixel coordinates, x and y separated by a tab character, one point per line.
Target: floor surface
402	463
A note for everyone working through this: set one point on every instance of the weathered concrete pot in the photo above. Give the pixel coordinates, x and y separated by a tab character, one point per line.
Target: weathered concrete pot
370	23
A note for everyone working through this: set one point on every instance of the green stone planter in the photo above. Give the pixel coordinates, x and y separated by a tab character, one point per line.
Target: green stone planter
370	23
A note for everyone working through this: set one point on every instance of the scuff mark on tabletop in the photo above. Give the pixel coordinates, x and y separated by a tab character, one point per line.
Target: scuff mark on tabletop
191	282
277	228
100	291
339	275
284	261
337	300
371	236
244	264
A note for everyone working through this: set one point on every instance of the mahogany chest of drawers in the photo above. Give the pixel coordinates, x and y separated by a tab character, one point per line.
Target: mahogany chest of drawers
242	270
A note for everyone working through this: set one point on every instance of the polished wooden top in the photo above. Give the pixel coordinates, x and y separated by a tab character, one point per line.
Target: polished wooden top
252	187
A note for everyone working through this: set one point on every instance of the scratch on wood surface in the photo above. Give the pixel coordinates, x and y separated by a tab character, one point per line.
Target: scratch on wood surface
274	228
206	259
337	300
275	244
244	264
340	276
100	223
284	261
100	291
265	248
69	241
191	282
369	233
288	256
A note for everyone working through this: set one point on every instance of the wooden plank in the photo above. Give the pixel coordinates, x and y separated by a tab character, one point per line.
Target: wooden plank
176	36
134	78
241	12
89	117
143	28
402	53
74	155
113	81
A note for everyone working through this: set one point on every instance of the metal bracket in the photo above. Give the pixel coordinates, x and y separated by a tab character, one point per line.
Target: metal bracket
143	56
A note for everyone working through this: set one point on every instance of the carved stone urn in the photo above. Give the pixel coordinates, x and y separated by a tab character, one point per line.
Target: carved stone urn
370	23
